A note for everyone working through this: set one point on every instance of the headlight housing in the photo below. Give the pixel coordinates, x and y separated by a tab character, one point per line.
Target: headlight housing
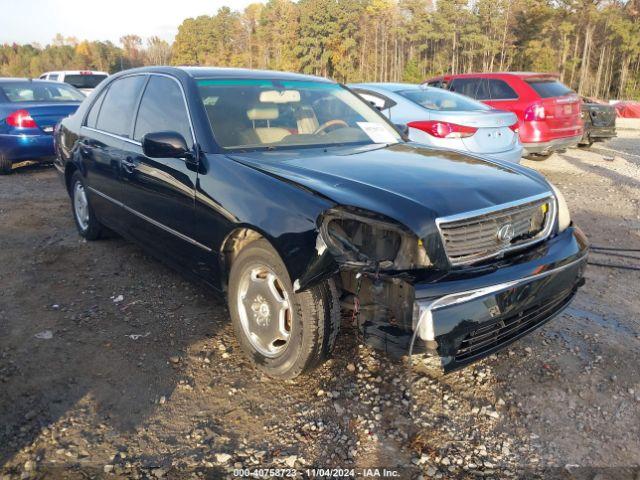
363	239
564	216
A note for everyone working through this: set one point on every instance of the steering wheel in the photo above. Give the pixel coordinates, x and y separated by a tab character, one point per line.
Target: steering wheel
329	124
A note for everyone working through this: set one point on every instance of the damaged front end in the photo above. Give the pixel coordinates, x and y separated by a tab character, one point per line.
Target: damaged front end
406	300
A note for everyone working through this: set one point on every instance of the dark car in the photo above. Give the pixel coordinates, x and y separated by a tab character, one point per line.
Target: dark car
29	110
599	122
289	194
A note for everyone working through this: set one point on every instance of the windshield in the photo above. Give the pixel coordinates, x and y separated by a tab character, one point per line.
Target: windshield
549	88
254	114
84	81
438	99
40	92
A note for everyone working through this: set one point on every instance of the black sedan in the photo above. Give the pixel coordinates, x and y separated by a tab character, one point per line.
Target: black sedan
293	197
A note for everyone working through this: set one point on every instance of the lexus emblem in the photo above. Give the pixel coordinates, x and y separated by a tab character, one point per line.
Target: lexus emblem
505	233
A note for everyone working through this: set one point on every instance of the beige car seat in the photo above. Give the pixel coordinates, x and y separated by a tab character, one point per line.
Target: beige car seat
267	134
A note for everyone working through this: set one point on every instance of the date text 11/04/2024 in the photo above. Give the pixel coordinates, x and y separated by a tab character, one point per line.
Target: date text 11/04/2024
317	473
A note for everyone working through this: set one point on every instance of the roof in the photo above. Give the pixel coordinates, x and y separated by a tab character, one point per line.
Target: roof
219	72
392	87
76	72
489	74
19	79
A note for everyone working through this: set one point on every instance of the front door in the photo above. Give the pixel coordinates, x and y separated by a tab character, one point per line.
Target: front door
159	193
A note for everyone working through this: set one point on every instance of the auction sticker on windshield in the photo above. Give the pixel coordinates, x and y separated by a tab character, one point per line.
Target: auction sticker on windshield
377	133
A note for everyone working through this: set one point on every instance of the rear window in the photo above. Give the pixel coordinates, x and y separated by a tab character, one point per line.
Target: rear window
442	100
40	92
549	88
84	81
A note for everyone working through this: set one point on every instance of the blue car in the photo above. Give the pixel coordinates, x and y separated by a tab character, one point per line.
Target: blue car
29	111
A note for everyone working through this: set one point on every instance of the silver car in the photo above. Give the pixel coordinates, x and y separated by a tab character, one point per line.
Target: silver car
445	119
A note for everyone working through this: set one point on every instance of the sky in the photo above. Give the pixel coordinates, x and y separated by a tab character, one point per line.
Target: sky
29	21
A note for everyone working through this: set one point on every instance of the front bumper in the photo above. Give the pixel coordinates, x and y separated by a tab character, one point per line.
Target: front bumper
545	148
27	147
464	316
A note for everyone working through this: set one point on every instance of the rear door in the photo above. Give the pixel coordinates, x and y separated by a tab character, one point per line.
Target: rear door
476	88
159	193
103	142
561	106
501	95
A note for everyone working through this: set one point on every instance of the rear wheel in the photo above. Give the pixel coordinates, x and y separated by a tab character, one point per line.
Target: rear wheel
283	333
88	225
5	165
586	144
538	157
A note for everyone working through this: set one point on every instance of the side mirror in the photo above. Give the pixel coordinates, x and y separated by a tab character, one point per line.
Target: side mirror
165	145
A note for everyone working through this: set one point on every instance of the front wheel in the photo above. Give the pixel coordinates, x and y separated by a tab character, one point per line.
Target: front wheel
283	333
88	225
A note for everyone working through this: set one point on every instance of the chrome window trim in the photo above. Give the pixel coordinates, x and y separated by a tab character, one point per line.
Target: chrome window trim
113	135
496	208
151	220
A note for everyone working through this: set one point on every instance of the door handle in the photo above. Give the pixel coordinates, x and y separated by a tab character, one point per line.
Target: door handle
129	165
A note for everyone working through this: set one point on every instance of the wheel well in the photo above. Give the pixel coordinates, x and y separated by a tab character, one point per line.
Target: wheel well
69	170
233	244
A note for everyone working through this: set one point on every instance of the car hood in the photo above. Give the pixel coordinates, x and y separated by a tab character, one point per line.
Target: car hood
409	183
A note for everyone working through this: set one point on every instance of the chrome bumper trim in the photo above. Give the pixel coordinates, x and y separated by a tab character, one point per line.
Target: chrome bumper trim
423	324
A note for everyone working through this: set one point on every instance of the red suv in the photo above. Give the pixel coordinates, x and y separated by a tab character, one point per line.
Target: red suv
548	111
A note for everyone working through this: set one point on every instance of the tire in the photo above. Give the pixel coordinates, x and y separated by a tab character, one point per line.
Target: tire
5	165
85	219
313	316
538	157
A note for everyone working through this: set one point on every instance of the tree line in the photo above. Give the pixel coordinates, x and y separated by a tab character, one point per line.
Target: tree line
594	45
69	53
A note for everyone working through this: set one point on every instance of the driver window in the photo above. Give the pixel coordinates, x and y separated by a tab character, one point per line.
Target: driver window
162	109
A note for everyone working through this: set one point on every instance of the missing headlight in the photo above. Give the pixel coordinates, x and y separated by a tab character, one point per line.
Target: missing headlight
364	239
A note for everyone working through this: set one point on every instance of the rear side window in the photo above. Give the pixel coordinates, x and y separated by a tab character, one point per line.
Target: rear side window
376	99
162	108
118	106
549	88
442	100
84	81
92	118
477	88
54	77
500	90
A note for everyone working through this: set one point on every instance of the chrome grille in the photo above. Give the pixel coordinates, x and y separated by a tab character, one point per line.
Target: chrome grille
486	233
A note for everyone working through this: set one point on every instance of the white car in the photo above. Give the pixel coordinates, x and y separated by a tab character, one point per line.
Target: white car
444	119
83	80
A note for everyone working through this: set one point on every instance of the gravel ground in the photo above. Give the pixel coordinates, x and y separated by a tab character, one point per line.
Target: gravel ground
113	366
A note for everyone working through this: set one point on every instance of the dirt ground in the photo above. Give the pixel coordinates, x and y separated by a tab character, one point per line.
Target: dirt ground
114	366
